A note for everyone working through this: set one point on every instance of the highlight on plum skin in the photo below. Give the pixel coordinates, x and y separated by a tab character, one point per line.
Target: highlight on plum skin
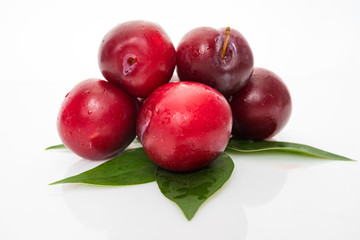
184	126
137	56
97	120
262	108
220	58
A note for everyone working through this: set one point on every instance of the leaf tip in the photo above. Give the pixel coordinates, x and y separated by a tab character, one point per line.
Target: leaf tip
59	146
55	183
189	216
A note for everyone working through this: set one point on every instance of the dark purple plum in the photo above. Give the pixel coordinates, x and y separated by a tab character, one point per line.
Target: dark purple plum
262	108
221	59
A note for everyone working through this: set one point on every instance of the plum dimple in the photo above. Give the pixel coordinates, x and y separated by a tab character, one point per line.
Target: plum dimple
137	56
129	63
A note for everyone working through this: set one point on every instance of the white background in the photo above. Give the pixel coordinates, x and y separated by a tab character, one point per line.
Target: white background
46	47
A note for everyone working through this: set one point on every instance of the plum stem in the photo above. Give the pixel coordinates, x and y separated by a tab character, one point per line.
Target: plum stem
227	34
131	61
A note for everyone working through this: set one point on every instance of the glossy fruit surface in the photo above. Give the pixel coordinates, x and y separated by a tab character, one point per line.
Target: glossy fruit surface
184	126
137	56
97	119
199	59
262	108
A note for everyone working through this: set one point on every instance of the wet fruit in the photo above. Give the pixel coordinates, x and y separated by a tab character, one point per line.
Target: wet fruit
137	56
183	126
221	59
262	108
97	120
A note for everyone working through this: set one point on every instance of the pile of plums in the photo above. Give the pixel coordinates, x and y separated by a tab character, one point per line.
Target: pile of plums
183	124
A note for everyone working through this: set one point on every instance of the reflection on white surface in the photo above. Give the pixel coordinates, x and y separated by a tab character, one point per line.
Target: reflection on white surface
261	179
259	183
142	212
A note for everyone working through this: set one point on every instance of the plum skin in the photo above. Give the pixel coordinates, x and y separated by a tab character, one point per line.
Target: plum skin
97	120
183	126
137	56
262	108
198	59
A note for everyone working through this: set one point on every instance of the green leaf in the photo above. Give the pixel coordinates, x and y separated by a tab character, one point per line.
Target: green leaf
190	190
60	146
257	146
131	167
